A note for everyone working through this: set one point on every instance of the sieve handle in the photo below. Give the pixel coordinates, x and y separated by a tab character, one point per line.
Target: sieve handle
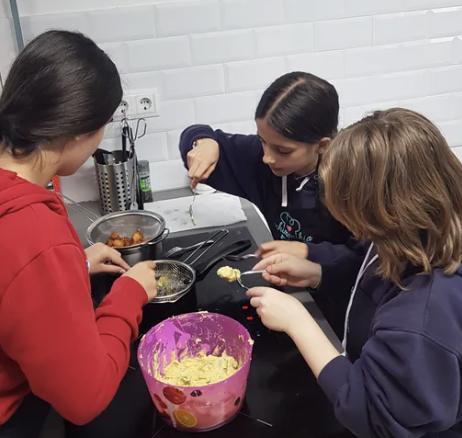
159	239
202	269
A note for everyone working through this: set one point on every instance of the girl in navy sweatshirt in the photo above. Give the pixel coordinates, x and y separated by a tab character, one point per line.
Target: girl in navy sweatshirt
393	181
277	171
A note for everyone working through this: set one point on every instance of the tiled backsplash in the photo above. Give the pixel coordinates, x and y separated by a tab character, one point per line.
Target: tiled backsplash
211	60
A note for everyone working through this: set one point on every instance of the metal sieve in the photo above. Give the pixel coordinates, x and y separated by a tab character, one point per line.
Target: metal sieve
175	279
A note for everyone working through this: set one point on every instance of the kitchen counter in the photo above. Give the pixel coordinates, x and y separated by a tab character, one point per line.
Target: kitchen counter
255	224
283	398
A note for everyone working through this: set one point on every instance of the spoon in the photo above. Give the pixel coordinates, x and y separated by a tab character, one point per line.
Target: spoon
191	215
237	276
178	251
240	258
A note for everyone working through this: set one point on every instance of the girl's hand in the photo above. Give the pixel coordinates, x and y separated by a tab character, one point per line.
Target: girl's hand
298	249
289	270
99	255
202	160
279	311
145	274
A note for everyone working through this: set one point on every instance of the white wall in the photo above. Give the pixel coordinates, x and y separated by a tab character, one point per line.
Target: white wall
8	49
211	59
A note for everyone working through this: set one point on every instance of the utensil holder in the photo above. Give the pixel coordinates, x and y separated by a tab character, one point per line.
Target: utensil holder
117	185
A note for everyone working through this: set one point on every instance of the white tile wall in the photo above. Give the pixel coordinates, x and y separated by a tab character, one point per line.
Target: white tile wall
193	82
253	75
8	48
101	24
457	106
158	54
356	8
343	34
402	27
36	24
446	22
239	14
457	42
230	107
446	80
283	40
218	47
183	18
328	65
212	59
301	11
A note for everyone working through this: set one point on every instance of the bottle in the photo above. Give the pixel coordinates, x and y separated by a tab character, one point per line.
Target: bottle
145	181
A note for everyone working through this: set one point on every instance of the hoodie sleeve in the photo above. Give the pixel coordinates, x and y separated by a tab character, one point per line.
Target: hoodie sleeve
240	155
340	265
404	385
72	358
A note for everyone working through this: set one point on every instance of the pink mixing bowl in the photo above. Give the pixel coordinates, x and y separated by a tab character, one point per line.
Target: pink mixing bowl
203	408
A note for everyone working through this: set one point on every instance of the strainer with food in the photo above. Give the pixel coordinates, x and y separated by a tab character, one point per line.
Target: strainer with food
175	278
126	223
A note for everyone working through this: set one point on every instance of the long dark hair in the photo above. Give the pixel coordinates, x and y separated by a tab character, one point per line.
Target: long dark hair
301	107
61	85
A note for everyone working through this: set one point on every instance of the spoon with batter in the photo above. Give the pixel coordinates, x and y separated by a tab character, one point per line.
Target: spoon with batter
232	275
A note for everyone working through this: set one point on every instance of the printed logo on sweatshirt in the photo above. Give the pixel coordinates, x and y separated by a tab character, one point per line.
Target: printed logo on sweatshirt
290	229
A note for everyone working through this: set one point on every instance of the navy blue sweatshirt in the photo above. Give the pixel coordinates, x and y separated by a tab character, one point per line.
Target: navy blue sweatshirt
402	374
290	205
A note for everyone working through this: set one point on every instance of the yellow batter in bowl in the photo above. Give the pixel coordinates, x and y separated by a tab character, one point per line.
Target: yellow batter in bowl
199	371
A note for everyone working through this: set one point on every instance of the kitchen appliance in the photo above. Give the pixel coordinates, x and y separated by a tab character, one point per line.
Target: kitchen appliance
199	408
125	223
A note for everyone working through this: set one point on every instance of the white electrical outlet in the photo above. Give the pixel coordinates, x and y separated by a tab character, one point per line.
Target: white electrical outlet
138	103
121	110
126	108
147	102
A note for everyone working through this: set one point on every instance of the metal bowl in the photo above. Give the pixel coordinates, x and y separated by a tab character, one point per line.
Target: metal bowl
125	223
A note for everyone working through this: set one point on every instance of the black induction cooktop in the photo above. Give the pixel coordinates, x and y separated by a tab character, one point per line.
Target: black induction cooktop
283	398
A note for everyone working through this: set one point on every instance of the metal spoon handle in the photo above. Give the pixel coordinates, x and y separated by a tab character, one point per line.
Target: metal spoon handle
252	272
241	258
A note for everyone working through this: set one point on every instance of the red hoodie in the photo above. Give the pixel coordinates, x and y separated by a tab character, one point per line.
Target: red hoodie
52	342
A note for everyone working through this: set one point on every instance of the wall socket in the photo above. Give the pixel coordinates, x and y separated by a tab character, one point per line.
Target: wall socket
139	103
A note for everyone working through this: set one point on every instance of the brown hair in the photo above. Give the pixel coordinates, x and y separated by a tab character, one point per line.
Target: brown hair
392	179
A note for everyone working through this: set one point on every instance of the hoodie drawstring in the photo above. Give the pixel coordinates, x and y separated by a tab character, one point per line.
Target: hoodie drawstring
284	191
298	189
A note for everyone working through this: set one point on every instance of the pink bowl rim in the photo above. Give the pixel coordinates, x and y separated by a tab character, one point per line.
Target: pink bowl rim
246	364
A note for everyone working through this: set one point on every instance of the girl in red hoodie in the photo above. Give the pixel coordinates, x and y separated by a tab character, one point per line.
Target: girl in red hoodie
60	93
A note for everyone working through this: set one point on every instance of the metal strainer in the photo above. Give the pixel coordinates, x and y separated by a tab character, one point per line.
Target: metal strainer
175	279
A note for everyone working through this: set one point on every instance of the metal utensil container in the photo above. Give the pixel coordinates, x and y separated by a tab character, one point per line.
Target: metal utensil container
117	185
125	223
